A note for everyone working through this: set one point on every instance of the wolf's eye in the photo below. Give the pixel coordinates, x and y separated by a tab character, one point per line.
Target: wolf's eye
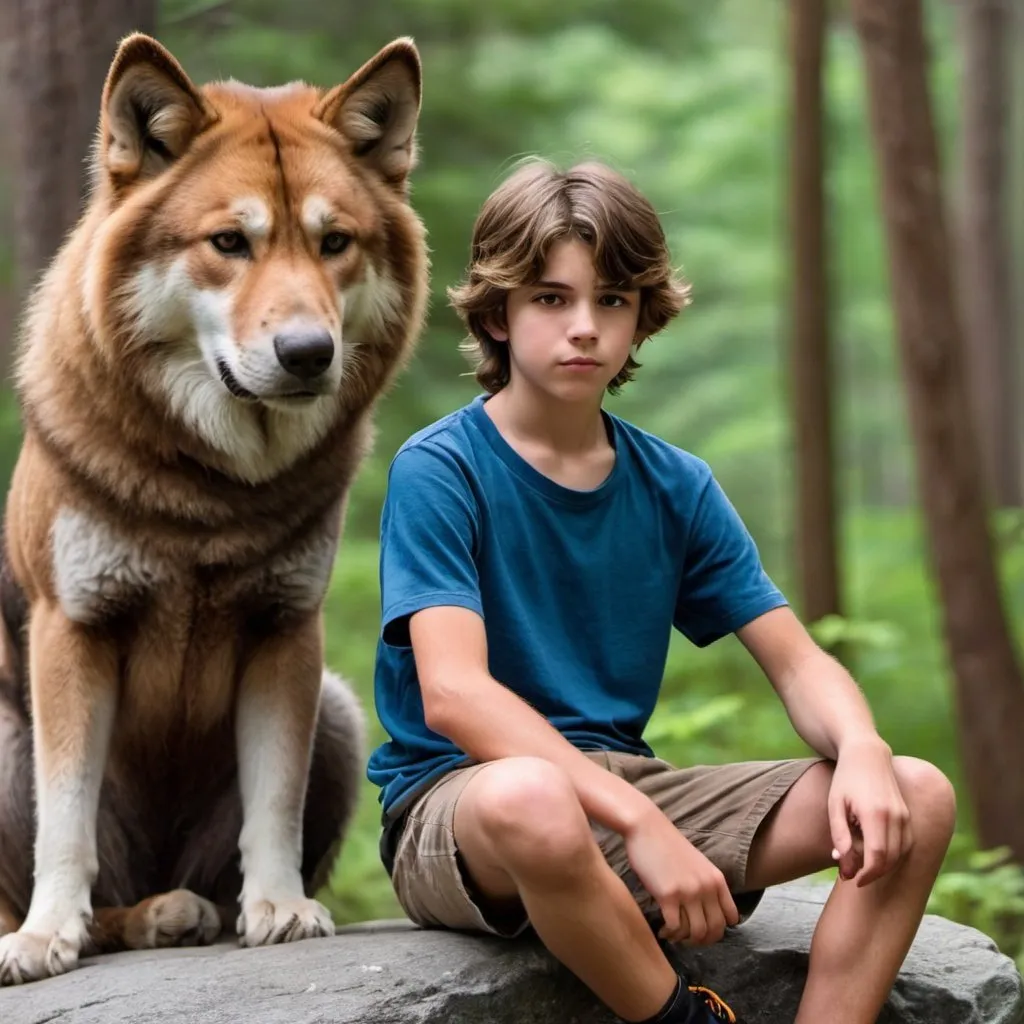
230	243
334	243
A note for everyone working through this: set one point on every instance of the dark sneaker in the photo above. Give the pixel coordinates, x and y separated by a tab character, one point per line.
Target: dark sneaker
695	1004
709	1007
700	1005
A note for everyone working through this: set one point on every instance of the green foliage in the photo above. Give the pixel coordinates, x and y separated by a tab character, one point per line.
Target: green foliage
691	101
358	888
834	630
678	725
985	889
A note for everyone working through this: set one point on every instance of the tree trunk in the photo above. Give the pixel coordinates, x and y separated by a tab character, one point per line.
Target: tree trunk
989	689
1016	207
7	299
810	363
986	243
62	51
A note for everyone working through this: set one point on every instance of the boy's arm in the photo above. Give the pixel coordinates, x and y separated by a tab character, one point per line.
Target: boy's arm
829	712
461	700
488	721
825	705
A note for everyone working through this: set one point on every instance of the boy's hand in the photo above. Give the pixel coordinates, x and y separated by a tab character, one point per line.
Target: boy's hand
690	891
868	816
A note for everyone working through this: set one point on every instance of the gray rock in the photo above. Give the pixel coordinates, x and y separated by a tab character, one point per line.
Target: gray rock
392	973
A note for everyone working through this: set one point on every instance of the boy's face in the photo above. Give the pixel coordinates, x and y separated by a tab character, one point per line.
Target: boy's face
569	334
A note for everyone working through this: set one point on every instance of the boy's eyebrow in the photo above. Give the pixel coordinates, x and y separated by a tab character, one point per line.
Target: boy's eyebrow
559	286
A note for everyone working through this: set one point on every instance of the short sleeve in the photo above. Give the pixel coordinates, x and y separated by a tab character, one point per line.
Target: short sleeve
723	585
428	538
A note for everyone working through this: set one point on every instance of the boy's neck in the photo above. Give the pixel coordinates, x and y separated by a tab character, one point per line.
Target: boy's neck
564	428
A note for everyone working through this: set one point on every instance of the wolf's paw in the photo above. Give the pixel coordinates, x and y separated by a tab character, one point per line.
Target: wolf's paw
177	918
32	956
263	922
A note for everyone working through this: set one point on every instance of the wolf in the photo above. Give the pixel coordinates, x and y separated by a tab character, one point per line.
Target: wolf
197	375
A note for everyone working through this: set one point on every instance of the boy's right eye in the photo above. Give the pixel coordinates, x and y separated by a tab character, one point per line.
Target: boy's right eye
548	299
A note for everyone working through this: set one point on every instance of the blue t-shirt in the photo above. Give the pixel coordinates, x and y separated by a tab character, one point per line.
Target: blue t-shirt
578	590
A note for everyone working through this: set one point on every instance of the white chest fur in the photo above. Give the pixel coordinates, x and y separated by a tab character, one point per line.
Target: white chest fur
298	579
99	572
96	570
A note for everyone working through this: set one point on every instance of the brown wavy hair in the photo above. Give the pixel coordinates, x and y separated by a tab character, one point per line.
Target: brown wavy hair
538	205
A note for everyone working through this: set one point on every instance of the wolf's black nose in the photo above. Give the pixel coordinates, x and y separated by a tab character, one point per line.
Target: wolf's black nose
305	354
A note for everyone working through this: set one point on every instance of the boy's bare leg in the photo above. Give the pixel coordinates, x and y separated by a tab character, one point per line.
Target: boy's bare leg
864	933
523	835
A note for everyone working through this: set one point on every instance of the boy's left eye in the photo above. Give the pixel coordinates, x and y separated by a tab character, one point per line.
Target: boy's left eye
612	301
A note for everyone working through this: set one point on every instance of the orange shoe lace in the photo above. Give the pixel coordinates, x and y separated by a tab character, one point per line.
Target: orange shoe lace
714	1003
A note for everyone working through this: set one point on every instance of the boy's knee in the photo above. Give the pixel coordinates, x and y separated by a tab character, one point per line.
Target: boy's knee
929	796
529	811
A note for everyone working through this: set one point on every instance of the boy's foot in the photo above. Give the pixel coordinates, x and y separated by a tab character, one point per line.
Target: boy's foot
695	1004
708	1007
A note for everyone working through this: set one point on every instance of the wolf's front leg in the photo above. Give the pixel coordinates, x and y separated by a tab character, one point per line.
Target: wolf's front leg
276	721
73	675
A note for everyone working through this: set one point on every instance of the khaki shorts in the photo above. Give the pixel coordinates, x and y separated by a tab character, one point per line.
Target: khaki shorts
718	808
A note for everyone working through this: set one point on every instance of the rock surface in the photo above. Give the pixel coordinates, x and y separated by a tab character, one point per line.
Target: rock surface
392	973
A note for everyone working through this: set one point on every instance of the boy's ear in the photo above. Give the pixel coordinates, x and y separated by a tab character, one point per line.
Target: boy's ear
377	109
495	326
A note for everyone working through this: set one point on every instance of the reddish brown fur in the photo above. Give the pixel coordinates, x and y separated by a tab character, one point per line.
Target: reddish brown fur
99	439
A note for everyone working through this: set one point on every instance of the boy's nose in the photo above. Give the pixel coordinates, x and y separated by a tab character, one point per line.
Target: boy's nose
584	325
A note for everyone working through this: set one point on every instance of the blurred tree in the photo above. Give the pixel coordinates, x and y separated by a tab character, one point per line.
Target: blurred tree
810	349
6	207
986	243
1016	206
60	51
989	688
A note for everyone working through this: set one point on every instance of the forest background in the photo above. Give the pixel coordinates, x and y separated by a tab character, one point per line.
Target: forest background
771	138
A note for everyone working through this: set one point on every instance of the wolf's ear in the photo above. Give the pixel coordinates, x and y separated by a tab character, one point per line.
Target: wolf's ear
376	110
150	112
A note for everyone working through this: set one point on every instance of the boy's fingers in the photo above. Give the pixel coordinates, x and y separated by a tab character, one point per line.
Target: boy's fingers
728	905
715	919
698	930
670	913
876	837
839	827
850	862
681	932
844	848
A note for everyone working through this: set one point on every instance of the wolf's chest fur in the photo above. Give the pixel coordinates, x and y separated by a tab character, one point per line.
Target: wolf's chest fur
182	628
100	572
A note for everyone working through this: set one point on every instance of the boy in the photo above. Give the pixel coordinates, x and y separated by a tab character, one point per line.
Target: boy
535	554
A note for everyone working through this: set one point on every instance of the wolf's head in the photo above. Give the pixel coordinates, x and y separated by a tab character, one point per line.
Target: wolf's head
253	254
